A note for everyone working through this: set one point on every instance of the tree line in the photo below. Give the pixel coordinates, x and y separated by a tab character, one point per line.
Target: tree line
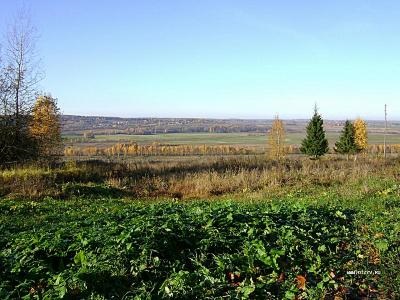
29	120
133	149
157	149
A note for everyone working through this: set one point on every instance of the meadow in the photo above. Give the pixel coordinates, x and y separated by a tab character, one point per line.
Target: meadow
129	147
224	227
244	139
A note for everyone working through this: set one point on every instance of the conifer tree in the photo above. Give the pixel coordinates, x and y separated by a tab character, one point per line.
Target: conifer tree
360	134
315	144
346	143
276	140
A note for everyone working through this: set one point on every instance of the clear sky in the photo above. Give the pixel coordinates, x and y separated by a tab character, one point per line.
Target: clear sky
219	58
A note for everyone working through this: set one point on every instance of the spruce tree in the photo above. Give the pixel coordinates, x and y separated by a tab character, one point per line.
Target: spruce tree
347	144
315	144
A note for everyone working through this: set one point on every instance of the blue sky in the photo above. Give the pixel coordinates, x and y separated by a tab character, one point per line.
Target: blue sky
219	58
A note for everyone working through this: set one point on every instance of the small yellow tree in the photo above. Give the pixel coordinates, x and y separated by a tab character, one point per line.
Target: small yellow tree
276	140
360	134
45	127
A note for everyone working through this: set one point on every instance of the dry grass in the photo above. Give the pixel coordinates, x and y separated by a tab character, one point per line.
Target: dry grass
210	177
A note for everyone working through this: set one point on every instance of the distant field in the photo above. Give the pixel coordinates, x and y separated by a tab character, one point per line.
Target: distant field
245	139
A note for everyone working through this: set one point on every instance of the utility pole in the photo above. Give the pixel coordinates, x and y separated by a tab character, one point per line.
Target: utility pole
384	136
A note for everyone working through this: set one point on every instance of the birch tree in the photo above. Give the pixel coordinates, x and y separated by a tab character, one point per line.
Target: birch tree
276	140
19	75
360	134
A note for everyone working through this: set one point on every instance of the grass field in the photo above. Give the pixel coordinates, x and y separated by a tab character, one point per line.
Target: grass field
244	139
235	227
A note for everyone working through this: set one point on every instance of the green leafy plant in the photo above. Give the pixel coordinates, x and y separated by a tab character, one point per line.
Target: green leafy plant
109	248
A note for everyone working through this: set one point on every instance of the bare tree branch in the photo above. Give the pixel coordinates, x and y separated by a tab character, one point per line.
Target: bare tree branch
22	63
20	74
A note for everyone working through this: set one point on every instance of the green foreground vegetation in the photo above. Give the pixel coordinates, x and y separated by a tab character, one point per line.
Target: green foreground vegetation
113	248
266	230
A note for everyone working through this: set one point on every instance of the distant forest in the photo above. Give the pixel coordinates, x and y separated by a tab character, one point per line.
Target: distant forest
79	125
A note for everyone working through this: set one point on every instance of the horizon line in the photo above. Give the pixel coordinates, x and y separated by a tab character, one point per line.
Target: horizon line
226	118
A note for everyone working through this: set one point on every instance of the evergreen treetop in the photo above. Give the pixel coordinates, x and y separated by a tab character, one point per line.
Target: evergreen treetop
315	144
346	143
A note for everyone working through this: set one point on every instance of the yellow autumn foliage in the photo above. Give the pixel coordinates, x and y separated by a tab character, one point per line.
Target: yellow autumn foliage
360	134
45	126
276	140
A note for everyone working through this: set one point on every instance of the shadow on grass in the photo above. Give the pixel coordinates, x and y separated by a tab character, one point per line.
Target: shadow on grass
76	190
